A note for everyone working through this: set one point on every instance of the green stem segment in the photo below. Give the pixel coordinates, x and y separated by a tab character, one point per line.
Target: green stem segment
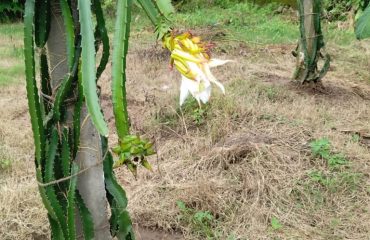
32	91
151	10
42	22
121	225
88	67
70	35
121	38
101	29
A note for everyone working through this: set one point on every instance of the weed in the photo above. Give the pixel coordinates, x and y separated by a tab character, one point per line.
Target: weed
337	160
320	185
271	93
332	181
275	224
10	10
322	148
198	116
196	113
335	222
202	223
5	164
355	138
11	64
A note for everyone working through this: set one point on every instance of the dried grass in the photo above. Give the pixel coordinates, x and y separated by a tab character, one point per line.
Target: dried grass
266	121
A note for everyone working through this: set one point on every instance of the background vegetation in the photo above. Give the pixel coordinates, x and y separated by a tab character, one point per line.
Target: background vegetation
268	160
11	10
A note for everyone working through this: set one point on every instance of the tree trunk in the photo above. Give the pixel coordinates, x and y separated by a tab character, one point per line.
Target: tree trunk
90	184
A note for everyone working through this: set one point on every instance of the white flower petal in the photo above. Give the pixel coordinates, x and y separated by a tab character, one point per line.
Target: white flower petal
184	91
205	95
200	88
218	62
222	88
212	78
191	85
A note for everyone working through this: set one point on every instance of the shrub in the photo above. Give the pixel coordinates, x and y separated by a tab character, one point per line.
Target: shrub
11	10
189	5
338	9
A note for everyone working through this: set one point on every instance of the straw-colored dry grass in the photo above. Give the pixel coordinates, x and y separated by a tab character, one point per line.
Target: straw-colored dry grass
246	161
267	122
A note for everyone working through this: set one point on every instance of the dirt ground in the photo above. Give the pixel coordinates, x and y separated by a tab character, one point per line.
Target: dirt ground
246	159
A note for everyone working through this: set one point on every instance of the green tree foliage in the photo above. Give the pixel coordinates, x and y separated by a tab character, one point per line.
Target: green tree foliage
363	25
338	9
11	10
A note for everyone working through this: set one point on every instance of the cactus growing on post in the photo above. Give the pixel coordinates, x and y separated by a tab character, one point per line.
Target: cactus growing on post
58	112
56	123
311	46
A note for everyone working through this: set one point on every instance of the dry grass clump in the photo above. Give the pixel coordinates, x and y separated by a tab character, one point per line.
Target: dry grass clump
22	215
246	157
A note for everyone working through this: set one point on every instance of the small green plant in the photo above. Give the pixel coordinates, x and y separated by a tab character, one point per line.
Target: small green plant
355	138
5	161
320	184
275	224
322	178
332	181
5	164
196	113
322	148
202	223
271	93
191	5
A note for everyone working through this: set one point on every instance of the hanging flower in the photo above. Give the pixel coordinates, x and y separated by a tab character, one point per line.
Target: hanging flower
191	58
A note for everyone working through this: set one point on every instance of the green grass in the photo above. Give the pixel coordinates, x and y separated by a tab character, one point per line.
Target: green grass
11	74
202	223
255	24
14	29
241	22
334	176
11	54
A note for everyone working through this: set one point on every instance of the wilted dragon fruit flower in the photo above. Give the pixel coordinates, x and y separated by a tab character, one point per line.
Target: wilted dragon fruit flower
191	58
